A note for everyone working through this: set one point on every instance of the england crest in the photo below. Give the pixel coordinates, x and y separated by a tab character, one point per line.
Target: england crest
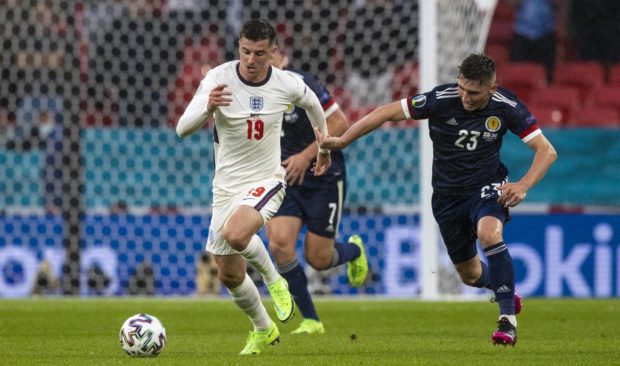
256	103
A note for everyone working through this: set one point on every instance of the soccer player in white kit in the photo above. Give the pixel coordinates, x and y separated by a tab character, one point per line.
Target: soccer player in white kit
248	98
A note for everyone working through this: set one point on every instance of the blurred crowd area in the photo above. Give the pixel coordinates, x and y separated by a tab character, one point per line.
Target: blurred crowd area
140	61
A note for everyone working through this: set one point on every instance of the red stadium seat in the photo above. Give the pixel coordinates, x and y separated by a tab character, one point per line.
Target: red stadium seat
501	31
504	11
614	75
548	116
522	78
565	98
583	75
605	97
595	117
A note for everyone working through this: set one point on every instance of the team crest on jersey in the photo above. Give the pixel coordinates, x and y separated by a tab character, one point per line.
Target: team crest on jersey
256	103
493	124
418	101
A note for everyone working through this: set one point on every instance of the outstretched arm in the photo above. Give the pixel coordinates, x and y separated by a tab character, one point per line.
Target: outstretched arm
544	156
388	112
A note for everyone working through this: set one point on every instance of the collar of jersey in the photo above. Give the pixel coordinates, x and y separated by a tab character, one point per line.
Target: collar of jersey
251	83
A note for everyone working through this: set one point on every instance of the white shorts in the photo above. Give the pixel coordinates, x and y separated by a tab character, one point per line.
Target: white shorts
265	196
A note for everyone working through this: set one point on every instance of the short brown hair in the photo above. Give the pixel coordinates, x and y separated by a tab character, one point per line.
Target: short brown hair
477	67
257	30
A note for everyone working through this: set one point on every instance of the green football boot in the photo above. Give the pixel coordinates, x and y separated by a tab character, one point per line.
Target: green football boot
283	303
357	269
310	326
258	340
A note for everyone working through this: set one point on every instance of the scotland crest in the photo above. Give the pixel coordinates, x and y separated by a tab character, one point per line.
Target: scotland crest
256	103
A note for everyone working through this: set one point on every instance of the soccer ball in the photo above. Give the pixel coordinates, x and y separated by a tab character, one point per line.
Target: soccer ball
143	335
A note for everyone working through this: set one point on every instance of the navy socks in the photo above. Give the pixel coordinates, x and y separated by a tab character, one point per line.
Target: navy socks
298	286
502	277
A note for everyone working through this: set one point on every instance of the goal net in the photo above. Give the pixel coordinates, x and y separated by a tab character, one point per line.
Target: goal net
99	196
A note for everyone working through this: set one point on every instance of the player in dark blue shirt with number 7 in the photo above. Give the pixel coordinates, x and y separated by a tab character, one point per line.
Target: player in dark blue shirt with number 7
471	193
315	202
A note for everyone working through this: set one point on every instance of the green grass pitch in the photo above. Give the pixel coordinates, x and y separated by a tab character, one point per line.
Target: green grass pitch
358	332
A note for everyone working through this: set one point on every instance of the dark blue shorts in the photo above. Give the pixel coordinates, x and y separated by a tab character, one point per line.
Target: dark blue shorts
319	208
457	217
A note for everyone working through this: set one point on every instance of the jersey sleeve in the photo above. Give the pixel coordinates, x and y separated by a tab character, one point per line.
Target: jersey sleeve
523	124
419	106
196	114
328	103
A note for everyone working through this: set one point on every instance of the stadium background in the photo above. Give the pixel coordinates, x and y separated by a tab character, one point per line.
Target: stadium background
99	194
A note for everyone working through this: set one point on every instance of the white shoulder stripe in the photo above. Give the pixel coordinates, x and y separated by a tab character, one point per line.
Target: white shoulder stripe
448	96
501	98
403	103
447	90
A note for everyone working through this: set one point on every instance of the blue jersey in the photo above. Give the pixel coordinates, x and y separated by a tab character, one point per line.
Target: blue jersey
297	133
466	145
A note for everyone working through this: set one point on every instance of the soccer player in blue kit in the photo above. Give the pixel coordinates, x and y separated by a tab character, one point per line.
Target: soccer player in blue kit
471	192
314	201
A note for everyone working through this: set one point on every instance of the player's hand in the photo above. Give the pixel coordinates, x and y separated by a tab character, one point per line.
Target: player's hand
512	194
218	96
328	142
323	162
296	167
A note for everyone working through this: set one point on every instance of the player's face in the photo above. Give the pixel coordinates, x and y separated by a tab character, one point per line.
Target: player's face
475	95
255	59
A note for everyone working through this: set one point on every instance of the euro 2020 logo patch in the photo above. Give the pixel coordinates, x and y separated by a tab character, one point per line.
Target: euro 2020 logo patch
493	124
418	101
256	103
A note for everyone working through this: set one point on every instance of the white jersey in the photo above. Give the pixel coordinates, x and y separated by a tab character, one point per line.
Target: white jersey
247	132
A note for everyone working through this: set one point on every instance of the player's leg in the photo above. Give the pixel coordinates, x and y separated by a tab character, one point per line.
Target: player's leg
502	278
253	210
323	211
240	233
232	273
283	232
323	253
490	217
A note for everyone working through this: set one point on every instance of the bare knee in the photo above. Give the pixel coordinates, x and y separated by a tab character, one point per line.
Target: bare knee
489	231
469	279
283	250
469	271
235	238
488	238
319	261
231	279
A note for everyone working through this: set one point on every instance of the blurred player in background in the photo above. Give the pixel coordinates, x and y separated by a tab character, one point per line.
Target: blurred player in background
248	98
314	201
472	196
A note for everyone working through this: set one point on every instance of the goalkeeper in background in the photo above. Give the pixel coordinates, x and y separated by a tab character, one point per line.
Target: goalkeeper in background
315	201
471	192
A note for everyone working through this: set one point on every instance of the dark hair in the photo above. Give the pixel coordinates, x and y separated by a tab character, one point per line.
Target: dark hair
258	29
477	67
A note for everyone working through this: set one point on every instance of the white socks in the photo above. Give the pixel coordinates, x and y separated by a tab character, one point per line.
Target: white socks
248	299
257	255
